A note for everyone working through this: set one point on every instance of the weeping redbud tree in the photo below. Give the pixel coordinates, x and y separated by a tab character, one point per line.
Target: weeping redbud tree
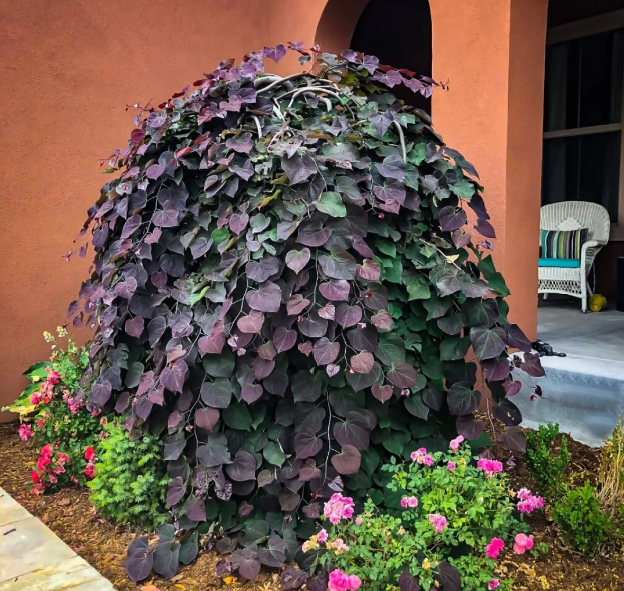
287	286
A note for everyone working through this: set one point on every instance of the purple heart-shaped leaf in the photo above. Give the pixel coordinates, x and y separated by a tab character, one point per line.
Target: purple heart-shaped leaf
297	259
265	299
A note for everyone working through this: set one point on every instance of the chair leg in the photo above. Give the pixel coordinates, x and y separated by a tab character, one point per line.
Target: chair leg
545	296
583	295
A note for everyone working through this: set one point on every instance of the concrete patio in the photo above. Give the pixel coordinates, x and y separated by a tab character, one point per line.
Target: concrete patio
32	558
584	391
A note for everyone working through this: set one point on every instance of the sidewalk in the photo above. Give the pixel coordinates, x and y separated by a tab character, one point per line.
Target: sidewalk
32	558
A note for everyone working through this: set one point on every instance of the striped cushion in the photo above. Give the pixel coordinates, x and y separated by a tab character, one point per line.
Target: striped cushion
559	244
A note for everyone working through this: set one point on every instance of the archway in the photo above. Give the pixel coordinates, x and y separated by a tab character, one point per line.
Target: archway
398	32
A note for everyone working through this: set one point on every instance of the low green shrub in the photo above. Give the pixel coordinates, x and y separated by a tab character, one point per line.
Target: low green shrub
546	461
449	517
130	481
581	520
57	417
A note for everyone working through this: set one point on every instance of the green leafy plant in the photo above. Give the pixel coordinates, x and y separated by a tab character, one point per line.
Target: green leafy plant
611	472
581	520
58	417
286	279
448	518
547	461
130	480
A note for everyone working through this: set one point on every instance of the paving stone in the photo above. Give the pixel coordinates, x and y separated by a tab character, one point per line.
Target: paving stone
74	574
10	510
32	558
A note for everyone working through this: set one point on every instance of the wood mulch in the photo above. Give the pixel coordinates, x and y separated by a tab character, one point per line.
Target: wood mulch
70	515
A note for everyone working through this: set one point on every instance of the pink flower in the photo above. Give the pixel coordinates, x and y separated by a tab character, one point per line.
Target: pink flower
438	522
25	432
35	398
450	466
339	546
404	502
358	521
493	584
490	467
90	470
528	502
339	581
522	543
420	456
40	422
89	453
455	443
494	548
338	508
322	536
34	476
524	494
409	502
53	376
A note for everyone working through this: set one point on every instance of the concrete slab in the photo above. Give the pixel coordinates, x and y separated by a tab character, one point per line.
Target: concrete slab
75	574
584	391
10	510
32	558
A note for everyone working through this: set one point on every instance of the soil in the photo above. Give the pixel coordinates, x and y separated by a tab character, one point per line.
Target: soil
70	515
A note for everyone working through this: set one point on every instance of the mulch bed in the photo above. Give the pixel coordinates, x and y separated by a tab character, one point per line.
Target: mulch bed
70	515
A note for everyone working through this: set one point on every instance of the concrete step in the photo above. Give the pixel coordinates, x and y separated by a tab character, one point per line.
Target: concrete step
585	395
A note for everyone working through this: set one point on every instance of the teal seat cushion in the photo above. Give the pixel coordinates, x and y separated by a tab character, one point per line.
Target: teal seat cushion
565	263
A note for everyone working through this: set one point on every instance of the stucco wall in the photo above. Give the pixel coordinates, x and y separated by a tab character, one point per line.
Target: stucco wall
68	70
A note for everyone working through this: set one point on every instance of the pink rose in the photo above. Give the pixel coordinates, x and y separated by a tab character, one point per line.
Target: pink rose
494	548
493	584
450	466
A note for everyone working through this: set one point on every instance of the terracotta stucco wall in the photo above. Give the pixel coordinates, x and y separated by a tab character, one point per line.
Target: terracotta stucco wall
68	69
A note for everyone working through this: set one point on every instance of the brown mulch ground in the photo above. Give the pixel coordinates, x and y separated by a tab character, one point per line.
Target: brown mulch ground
70	515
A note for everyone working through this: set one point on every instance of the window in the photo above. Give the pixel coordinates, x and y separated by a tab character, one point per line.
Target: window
583	120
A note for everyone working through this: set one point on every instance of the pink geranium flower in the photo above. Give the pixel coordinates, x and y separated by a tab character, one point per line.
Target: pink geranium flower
522	543
455	443
338	508
25	432
490	467
494	548
409	502
339	581
438	522
322	536
450	466
493	584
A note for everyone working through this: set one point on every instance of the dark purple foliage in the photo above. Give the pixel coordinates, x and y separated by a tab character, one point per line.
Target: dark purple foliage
288	299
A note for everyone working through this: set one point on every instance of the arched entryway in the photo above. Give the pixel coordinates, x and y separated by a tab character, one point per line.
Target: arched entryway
398	32
491	54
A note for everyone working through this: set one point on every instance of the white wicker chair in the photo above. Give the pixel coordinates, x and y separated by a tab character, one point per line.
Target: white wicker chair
574	215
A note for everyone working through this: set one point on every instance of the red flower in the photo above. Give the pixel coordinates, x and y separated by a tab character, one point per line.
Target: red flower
89	453
34	476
